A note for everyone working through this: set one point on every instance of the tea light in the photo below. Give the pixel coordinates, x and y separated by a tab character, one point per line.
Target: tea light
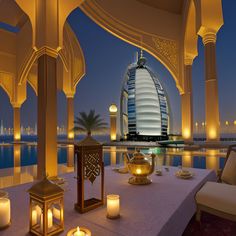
5	212
79	231
113	206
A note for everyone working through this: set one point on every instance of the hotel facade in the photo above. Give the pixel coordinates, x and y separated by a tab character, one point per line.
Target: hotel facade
144	108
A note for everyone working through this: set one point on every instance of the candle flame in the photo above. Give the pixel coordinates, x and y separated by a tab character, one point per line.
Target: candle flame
78	229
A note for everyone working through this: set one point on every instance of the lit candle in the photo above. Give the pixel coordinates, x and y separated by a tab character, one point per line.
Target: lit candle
5	212
56	213
50	218
34	217
79	232
113	206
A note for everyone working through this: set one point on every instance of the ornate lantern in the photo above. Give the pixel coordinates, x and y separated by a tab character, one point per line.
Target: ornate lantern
46	208
140	168
89	166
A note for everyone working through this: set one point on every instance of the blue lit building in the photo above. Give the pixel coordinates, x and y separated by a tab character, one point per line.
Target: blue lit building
144	109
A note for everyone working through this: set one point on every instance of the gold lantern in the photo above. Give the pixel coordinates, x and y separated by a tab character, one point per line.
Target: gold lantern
46	208
89	166
140	167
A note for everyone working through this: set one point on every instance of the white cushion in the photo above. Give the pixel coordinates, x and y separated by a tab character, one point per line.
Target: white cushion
219	196
229	173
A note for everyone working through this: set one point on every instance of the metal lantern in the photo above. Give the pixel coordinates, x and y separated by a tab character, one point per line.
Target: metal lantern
89	166
46	208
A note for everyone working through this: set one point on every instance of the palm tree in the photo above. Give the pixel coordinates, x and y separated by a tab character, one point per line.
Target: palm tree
88	123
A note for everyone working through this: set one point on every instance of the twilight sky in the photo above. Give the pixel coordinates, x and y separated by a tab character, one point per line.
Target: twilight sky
106	60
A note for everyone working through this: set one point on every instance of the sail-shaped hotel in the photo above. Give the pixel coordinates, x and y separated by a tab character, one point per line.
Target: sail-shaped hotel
144	109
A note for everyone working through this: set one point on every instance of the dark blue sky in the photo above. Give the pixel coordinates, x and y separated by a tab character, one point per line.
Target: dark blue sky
107	58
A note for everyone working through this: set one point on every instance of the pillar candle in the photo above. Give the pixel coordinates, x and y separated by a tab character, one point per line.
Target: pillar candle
34	217
50	218
56	213
5	212
113	206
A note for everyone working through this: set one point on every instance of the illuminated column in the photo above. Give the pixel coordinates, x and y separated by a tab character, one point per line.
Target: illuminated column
113	117
211	90
187	104
47	116
16	123
70	117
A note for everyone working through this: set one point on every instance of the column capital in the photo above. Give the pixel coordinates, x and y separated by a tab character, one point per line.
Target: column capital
208	36
70	95
188	61
16	105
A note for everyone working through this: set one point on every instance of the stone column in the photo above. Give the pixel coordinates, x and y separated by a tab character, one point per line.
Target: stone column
16	123
211	89
47	117
187	103
70	117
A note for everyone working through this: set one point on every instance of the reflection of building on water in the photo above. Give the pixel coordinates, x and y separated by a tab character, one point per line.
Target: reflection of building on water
144	113
70	156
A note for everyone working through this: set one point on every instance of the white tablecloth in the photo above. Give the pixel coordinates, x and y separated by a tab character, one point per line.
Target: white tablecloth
161	208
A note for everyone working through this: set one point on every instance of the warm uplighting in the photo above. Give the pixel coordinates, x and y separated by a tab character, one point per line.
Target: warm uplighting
71	135
227	123
186	133
212	133
196	124
113	206
5	213
17	136
203	123
113	108
79	231
113	137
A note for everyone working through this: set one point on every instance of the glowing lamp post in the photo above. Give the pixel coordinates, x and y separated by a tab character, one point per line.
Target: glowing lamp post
46	208
113	117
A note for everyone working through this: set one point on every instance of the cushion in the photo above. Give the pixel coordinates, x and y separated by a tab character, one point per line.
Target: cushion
229	172
218	196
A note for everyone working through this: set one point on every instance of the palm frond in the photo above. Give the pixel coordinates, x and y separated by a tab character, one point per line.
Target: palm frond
90	123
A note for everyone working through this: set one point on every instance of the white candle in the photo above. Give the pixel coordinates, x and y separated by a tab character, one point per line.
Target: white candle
79	232
5	212
34	217
50	218
56	213
113	206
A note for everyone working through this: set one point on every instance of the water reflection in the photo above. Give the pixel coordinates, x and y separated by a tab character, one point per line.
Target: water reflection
204	159
18	163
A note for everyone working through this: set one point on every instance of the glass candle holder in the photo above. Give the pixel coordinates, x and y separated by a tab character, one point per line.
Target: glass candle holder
113	206
5	212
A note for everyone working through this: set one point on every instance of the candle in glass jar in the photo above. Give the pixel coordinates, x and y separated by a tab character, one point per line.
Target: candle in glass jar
78	232
113	206
5	212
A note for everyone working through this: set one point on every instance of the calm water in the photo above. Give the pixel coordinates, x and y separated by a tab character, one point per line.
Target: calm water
18	161
27	154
